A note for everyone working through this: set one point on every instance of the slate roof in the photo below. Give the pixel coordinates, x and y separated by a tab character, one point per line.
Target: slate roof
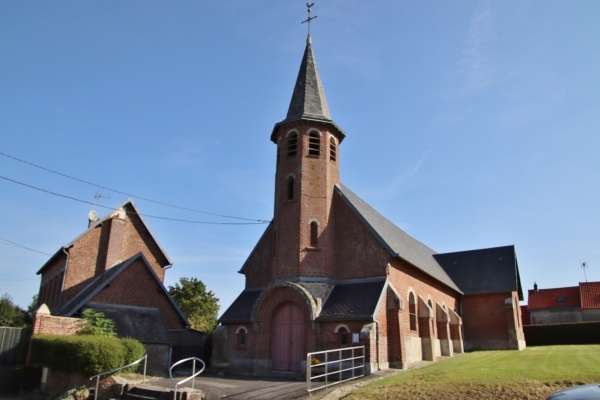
395	240
492	270
141	323
590	295
350	301
564	297
240	311
125	205
103	280
308	99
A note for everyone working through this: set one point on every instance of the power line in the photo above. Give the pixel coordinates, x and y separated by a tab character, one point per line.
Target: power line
253	222
25	247
128	194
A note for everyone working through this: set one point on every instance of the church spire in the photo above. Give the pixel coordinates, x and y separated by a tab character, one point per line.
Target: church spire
308	99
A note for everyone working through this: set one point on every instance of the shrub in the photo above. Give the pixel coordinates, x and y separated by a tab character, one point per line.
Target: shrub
96	323
88	355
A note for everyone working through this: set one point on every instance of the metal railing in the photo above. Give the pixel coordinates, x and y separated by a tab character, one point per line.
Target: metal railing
145	358
192	377
330	367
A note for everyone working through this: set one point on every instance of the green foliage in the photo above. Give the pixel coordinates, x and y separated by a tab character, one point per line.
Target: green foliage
11	314
76	393
200	306
95	323
88	355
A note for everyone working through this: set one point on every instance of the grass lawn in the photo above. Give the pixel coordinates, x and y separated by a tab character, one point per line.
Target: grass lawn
533	373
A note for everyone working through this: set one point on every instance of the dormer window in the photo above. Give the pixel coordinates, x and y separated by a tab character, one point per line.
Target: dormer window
292	144
314	144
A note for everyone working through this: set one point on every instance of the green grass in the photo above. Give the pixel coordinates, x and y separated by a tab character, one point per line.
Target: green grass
529	374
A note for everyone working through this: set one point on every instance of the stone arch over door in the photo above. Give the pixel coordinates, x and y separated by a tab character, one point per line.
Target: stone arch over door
287	337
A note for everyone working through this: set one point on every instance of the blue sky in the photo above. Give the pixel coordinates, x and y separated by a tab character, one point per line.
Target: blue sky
469	124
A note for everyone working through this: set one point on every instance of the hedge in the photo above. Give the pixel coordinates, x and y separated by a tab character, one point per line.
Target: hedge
86	354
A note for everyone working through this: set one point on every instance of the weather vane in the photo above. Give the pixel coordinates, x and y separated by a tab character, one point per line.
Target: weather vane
308	7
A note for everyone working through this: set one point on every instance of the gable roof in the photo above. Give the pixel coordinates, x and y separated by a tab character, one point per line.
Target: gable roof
397	242
103	280
480	271
141	323
590	295
125	205
565	297
348	301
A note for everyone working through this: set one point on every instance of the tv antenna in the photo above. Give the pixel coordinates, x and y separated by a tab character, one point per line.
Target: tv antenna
584	266
308	7
99	196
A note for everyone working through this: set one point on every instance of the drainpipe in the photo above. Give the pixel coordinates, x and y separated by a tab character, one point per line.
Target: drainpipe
62	285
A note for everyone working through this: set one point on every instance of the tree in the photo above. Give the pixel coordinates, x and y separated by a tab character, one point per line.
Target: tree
96	323
11	314
197	304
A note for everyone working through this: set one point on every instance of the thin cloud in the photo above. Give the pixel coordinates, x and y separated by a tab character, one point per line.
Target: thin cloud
476	66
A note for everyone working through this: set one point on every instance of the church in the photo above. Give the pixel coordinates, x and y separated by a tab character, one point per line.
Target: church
330	271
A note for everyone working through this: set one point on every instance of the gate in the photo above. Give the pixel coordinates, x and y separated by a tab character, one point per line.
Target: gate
328	368
13	346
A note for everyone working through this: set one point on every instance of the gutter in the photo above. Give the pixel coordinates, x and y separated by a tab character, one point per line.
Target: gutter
62	286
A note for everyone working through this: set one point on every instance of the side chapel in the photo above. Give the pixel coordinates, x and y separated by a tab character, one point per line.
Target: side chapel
330	271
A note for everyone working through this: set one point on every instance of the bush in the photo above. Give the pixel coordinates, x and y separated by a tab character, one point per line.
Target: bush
87	355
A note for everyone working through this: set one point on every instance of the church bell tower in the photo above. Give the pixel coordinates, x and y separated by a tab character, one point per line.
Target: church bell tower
307	171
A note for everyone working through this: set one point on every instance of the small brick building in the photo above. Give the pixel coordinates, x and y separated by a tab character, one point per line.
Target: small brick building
330	271
117	267
564	305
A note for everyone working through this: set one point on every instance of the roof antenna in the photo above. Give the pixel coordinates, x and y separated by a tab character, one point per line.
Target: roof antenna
308	7
99	196
584	267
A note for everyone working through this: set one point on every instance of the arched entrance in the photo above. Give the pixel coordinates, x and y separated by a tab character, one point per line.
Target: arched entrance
288	337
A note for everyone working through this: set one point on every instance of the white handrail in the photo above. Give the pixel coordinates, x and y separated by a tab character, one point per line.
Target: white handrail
145	358
193	376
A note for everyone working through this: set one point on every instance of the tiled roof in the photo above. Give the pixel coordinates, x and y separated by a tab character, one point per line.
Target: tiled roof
565	297
141	323
240	311
590	295
352	301
395	240
491	270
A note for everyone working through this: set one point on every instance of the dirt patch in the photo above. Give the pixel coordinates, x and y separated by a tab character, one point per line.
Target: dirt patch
529	390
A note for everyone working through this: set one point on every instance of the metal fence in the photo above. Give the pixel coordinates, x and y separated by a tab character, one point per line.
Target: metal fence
330	367
13	346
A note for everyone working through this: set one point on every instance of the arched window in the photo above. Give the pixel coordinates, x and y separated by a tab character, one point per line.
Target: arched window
332	149
292	144
412	311
289	183
314	144
241	333
314	234
343	335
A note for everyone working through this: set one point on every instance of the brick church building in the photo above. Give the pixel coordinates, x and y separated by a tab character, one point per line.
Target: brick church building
330	271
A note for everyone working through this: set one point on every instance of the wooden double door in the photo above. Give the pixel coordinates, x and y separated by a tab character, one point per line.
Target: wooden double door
288	337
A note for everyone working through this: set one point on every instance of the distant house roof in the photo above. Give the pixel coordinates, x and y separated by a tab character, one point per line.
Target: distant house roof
565	297
349	301
395	240
141	323
100	282
490	270
590	295
126	206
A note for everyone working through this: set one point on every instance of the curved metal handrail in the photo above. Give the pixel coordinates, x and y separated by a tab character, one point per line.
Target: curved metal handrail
145	358
192	377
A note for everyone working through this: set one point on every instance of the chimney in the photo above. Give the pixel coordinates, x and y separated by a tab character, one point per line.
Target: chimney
535	287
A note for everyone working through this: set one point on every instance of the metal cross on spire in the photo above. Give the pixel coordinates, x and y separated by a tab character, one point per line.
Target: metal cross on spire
308	7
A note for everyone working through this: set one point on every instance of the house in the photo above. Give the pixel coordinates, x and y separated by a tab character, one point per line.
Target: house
330	271
117	267
564	305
